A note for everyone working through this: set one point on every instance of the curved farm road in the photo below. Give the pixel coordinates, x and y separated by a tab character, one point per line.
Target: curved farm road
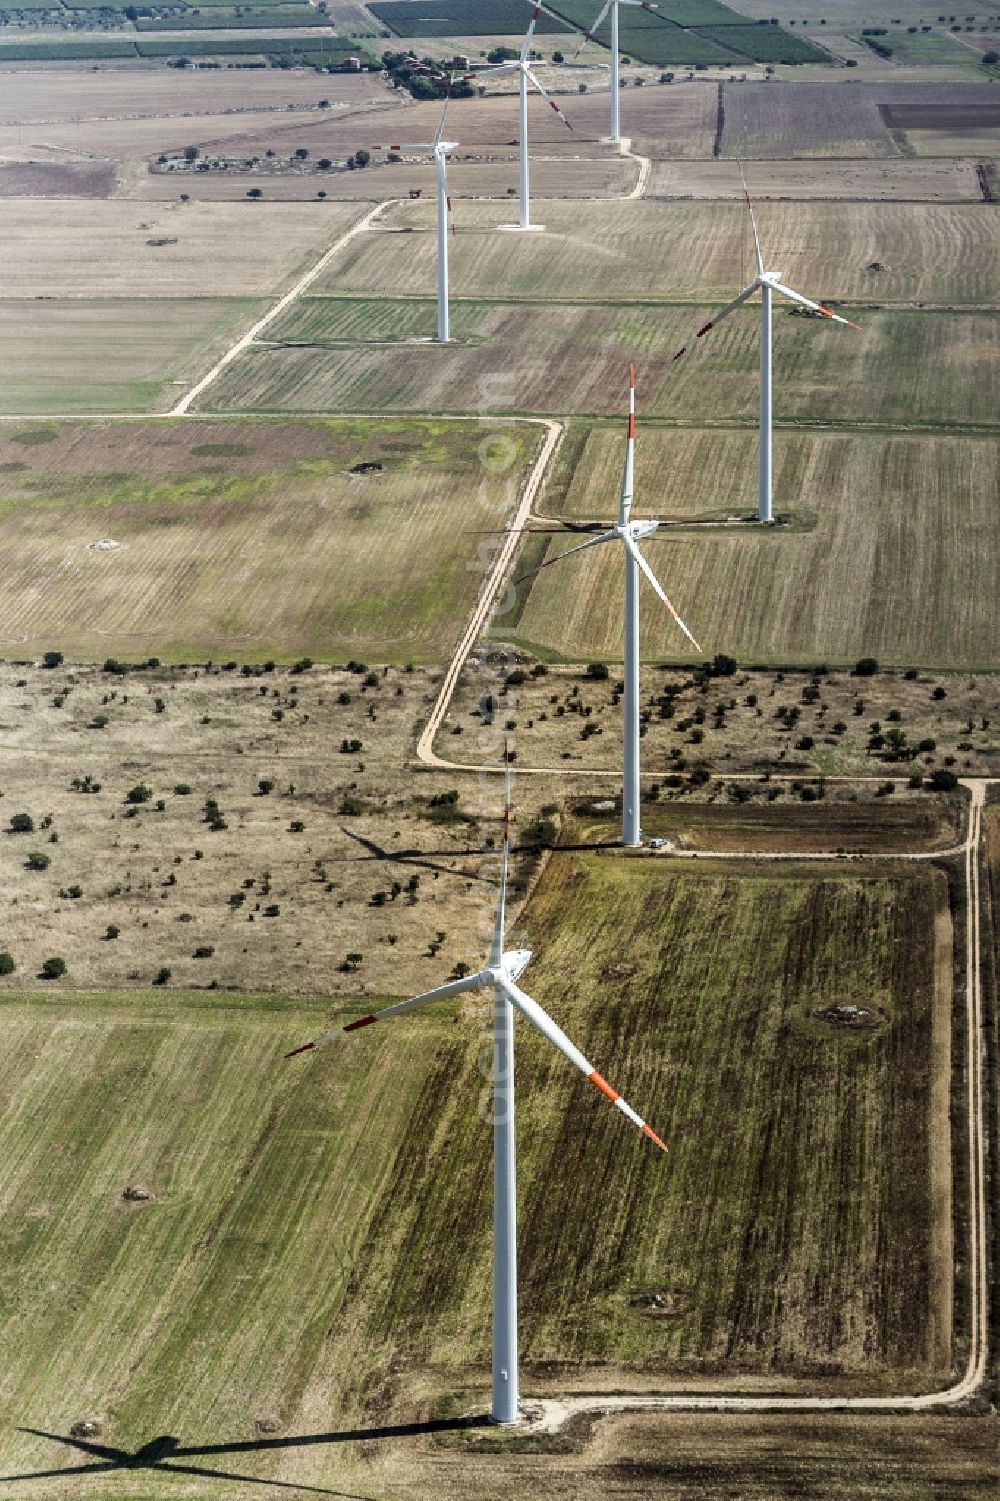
258	328
639	188
549	1414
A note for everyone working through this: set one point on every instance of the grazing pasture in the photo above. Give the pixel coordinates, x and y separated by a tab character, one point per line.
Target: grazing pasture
350	354
890	552
225	555
118	354
103	249
931	253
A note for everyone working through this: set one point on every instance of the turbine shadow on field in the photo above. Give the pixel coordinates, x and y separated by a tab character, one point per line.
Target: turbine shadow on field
164	1452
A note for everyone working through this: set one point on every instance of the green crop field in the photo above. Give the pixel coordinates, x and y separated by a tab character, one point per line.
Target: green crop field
111	355
271	548
68	51
288	15
459	17
766	44
316	1254
894	557
937	46
928	369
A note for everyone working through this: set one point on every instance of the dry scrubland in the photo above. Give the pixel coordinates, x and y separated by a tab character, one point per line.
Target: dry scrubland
295	1263
248	539
739	724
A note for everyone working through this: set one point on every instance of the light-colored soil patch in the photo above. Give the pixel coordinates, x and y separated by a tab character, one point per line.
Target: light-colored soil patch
94	249
947	181
40	179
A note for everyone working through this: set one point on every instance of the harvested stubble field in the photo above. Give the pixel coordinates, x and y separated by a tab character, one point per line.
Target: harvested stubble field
752	724
329	354
889	553
944	254
113	355
247	539
300	1268
52	179
951	179
92	249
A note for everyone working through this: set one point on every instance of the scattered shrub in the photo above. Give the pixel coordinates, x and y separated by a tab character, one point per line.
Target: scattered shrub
53	969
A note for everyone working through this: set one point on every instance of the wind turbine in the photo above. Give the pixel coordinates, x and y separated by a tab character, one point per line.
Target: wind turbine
629	533
768	282
612	6
526	75
501	973
439	149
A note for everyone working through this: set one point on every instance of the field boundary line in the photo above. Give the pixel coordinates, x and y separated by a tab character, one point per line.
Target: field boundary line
244	342
489	591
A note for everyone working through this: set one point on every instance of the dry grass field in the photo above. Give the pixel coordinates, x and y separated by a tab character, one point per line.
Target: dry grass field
948	180
898	566
103	249
623	251
329	354
246	539
111	355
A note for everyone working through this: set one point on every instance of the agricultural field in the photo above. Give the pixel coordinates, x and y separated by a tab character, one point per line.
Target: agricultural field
228	541
329	354
279	1205
875	524
942	129
446	18
104	248
116	354
950	179
647	251
837	120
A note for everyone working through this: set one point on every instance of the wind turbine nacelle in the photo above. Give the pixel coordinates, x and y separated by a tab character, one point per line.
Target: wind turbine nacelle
640	529
515	962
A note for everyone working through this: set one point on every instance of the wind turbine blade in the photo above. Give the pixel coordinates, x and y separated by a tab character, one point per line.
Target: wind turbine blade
496	948
591	542
637	555
817	307
753	220
528	35
725	312
441	993
544	10
588	36
444	116
628	473
541	1020
548	98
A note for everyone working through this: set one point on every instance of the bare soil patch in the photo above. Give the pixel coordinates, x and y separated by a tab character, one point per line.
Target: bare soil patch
56	180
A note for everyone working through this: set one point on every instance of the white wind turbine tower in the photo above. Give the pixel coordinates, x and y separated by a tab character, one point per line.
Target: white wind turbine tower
612	6
501	974
629	533
768	282
524	70
439	149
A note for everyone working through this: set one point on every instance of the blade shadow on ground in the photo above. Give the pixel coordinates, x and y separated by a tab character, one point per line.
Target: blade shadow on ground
166	1452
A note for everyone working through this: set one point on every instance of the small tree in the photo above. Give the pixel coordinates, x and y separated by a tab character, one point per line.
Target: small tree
867	667
22	823
140	793
52	659
191	153
255	193
38	861
53	969
7	965
162	976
